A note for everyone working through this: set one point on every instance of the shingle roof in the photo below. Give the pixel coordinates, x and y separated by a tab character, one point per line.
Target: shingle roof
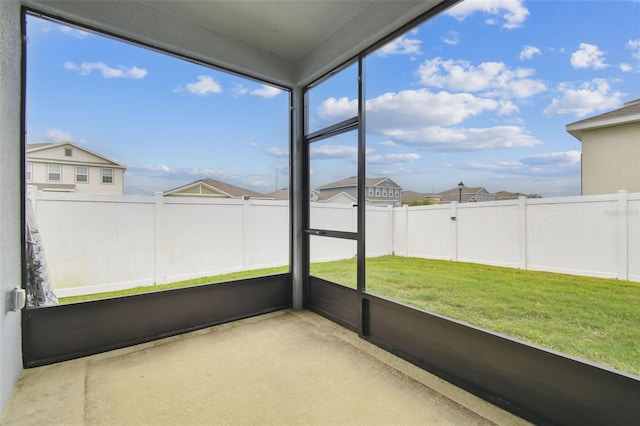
232	190
630	112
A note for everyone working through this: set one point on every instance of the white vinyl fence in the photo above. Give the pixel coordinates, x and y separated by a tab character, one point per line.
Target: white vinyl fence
96	243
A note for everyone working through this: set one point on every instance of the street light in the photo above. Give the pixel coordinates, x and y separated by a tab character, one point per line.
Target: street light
460	186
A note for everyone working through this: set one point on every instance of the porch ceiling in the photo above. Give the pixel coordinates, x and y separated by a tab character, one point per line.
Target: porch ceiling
284	42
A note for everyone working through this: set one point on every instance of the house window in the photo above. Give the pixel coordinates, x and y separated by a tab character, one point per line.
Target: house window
377	192
370	191
384	192
397	193
68	152
82	174
107	175
29	171
54	172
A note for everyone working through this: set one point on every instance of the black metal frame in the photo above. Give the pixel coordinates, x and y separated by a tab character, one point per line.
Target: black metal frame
64	332
532	382
535	383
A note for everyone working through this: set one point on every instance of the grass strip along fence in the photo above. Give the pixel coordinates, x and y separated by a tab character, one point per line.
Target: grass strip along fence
592	318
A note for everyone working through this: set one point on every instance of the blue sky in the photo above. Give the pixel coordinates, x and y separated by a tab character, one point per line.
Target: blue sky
480	94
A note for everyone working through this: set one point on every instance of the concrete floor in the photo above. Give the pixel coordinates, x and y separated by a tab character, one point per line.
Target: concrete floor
284	368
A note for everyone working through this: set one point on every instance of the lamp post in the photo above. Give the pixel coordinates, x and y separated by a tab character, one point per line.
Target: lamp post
460	186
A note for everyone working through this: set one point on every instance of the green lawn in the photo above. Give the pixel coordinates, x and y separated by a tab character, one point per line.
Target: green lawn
592	318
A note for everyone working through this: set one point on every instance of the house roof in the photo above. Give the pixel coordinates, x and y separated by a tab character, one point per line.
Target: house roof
287	43
353	181
43	146
280	194
229	190
506	195
325	196
629	113
468	194
409	196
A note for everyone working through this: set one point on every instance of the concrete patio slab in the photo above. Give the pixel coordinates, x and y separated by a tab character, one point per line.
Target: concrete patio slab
284	368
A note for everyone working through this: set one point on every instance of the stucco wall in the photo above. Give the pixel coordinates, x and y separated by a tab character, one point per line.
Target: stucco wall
10	269
611	159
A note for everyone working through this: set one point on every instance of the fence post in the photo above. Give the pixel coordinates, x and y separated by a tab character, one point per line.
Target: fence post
406	230
158	234
522	213
453	227
621	216
391	229
245	215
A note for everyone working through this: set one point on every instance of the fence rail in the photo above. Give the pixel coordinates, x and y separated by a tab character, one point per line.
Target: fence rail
97	243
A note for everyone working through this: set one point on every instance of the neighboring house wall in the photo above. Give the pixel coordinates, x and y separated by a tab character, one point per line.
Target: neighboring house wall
379	191
611	159
52	168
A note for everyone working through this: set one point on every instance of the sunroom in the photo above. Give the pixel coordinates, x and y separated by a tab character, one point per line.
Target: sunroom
309	51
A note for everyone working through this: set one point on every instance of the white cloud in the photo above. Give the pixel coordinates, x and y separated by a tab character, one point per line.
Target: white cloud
205	86
73	32
626	67
333	152
489	78
266	92
388	143
552	164
278	152
403	45
588	56
119	71
389	159
528	52
239	90
452	38
448	139
512	12
634	46
589	97
423	119
57	135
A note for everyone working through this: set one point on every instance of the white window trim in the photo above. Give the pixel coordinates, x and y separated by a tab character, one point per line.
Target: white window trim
84	174
59	173
29	171
102	176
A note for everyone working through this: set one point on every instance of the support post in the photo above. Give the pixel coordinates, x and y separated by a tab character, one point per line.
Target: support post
299	200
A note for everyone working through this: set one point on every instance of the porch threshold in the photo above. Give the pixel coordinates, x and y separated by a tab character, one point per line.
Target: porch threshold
283	368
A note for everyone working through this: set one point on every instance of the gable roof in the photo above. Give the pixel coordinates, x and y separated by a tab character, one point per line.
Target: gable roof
629	113
225	189
469	193
409	196
40	147
280	194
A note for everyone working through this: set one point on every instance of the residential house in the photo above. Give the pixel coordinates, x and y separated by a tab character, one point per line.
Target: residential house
379	192
213	189
506	195
610	150
467	195
66	167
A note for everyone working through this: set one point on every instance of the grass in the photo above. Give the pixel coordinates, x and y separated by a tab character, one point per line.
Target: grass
592	318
